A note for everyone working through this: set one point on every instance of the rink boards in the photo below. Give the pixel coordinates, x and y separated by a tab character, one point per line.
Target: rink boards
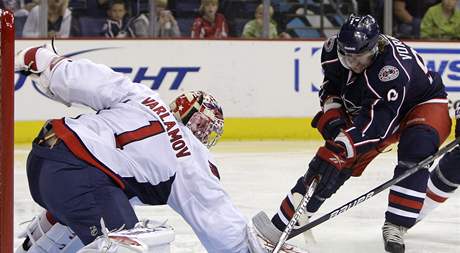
268	89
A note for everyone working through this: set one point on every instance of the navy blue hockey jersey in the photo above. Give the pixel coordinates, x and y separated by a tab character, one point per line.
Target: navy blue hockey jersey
379	98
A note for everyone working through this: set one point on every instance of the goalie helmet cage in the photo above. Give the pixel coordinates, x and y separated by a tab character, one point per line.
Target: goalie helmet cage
6	130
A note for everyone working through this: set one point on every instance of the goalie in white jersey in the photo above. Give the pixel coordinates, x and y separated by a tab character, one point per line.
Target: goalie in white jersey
133	148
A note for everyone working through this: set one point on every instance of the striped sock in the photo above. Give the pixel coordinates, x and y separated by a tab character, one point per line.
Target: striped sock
406	198
289	204
439	189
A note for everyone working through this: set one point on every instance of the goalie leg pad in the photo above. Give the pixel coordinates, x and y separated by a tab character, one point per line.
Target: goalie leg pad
37	228
147	236
59	239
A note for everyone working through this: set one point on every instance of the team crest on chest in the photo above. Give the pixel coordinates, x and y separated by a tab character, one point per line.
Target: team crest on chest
388	73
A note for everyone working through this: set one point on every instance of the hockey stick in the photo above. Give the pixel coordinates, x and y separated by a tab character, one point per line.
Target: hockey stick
423	164
301	208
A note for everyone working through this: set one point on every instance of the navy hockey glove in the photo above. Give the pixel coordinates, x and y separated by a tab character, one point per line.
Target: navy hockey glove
332	166
329	123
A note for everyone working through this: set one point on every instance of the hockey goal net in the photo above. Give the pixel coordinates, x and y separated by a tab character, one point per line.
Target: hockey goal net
6	130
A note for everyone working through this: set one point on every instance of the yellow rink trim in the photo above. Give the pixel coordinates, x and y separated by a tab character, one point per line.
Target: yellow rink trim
25	131
234	129
269	128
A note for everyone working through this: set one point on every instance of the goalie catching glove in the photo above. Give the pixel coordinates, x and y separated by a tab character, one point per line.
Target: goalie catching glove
38	63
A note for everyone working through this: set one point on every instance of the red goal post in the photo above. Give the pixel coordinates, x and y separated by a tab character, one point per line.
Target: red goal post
6	131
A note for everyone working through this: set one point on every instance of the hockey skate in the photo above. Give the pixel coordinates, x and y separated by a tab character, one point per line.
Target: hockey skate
393	237
268	235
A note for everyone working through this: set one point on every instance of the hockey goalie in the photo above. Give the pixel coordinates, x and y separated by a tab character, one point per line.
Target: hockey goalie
87	171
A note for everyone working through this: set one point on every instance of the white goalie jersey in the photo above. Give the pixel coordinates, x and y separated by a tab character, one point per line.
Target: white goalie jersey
135	140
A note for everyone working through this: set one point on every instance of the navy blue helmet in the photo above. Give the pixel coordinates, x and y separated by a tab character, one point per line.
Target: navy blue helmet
358	34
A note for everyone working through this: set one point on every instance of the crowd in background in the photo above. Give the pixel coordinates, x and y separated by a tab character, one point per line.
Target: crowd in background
425	19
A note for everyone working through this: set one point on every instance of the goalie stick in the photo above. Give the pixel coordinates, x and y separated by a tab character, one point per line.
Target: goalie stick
423	164
301	208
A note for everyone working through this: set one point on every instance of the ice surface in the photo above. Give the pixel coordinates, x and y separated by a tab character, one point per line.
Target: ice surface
257	176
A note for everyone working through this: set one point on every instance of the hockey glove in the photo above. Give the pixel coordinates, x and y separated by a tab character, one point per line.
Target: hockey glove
331	119
329	123
332	165
38	63
27	62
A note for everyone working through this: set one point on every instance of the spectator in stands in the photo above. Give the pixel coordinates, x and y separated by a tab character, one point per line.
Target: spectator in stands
409	14
210	24
118	22
20	14
254	28
96	9
15	7
373	7
60	21
29	5
103	2
441	21
165	26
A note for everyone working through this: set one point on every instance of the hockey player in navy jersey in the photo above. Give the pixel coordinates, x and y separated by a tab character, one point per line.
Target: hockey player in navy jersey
135	148
376	91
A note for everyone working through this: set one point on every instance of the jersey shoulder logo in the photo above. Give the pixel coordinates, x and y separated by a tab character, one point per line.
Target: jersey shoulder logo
329	44
388	73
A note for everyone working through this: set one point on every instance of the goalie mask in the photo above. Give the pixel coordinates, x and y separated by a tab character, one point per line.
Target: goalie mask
201	113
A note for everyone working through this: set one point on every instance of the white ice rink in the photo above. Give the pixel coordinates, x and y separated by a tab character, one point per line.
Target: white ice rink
257	176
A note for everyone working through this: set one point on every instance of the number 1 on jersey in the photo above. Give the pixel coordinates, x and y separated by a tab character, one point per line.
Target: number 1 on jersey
154	128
